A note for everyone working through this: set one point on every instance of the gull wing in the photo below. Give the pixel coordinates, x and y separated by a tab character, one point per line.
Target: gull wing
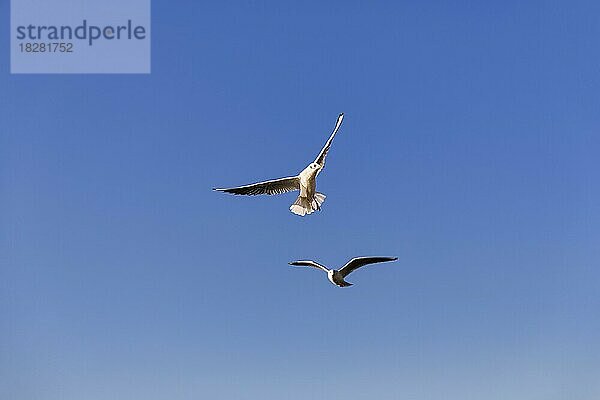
275	186
309	263
358	262
321	157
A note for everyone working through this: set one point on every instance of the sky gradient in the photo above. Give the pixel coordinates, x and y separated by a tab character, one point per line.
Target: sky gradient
469	150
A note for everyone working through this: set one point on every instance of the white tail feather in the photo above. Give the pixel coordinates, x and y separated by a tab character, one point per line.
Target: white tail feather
303	205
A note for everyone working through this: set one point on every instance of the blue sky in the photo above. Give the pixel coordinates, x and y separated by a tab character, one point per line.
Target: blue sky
469	150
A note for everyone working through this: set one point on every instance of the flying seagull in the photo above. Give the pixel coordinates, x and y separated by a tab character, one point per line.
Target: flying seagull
337	276
309	199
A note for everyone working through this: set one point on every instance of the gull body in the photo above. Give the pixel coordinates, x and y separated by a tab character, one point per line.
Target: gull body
309	200
337	277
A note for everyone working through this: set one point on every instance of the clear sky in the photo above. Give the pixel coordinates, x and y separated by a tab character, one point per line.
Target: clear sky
470	150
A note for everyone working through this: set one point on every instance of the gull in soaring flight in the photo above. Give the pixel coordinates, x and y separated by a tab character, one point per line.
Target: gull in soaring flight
336	276
309	199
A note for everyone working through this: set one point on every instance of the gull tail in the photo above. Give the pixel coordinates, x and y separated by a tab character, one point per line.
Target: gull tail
301	206
304	205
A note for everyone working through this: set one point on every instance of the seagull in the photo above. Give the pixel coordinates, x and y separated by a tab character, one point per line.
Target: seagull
309	199
337	276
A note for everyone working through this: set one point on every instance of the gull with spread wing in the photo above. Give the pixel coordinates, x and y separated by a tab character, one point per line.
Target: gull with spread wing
309	199
337	276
